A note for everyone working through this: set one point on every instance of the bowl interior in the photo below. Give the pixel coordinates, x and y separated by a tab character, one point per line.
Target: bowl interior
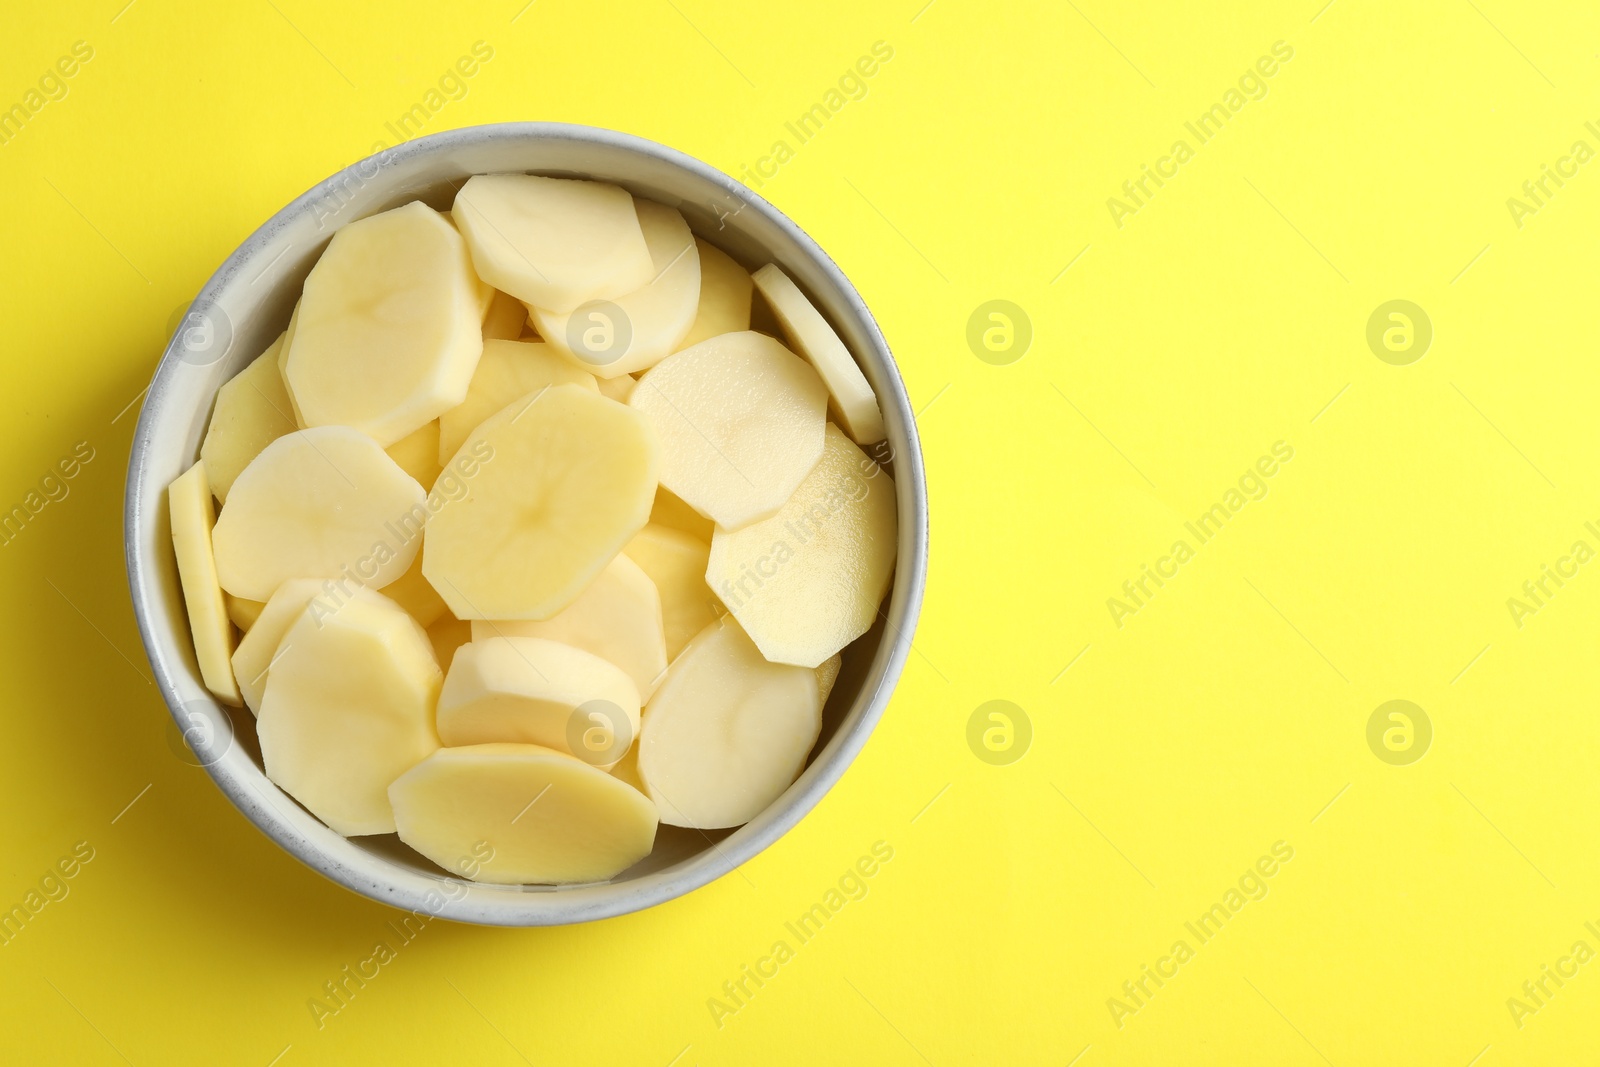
248	303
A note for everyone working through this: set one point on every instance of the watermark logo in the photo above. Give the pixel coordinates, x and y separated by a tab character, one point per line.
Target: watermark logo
199	734
201	332
1399	332
999	733
1399	733
599	333
999	332
599	733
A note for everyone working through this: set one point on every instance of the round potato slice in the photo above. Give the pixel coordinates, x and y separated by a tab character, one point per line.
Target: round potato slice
538	692
549	818
727	732
253	410
740	422
640	328
317	503
853	400
571	480
808	581
618	618
389	327
553	242
349	707
189	502
507	371
676	563
725	290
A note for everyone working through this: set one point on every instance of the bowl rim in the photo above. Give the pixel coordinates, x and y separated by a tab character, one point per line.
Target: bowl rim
375	877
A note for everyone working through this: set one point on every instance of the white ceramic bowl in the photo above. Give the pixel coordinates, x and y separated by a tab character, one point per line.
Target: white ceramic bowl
247	303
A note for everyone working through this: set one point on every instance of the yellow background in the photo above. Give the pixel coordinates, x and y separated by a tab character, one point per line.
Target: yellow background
1224	716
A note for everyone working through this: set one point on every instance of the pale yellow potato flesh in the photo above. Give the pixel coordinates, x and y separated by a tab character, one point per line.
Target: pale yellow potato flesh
538	692
740	421
725	292
626	769
390	326
553	243
505	319
509	370
348	708
618	388
676	563
189	505
244	613
549	818
252	411
571	481
618	617
283	364
317	503
418	454
413	592
854	403
670	510
827	674
727	732
252	660
642	327
447	635
808	581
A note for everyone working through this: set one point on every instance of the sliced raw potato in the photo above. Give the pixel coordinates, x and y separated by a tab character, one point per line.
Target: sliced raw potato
827	674
670	510
618	388
189	502
676	563
486	292
547	816
389	327
418	454
506	318
638	329
414	593
244	613
317	503
509	370
447	635
809	333
808	581
618	618
348	708
252	411
253	658
627	769
572	480
553	243
283	363
727	732
538	692
725	289
740	422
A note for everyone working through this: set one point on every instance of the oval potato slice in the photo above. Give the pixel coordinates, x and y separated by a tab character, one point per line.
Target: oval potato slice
253	658
253	410
507	371
571	480
740	422
853	400
319	503
538	692
808	581
553	242
348	708
189	503
727	732
548	817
